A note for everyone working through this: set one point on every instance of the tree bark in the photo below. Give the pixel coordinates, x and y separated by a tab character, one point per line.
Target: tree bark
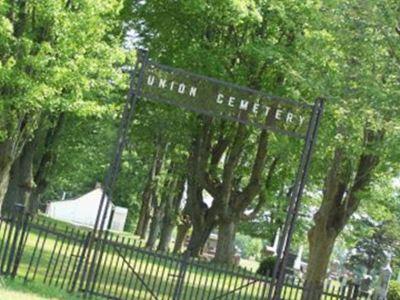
202	219
149	191
171	214
181	235
144	215
155	227
10	149
199	237
340	200
165	235
231	202
321	244
6	161
21	184
144	218
44	161
226	242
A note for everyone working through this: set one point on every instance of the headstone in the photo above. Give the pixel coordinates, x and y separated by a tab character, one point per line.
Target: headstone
276	241
272	250
366	285
383	282
334	268
343	280
298	261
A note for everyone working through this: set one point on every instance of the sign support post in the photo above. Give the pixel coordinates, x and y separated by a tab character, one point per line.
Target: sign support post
295	201
105	202
215	98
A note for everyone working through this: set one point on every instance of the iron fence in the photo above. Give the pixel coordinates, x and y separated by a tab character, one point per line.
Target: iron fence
41	250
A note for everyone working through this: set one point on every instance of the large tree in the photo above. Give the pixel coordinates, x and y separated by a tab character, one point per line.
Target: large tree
368	70
55	57
257	44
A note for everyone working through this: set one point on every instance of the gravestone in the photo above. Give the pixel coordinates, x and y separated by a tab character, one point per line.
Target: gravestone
383	282
343	281
298	261
366	285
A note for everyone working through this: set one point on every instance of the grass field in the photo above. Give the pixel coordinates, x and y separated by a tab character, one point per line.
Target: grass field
18	290
59	255
58	258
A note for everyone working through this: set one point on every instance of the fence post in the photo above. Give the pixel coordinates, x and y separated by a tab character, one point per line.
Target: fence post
81	261
352	292
25	218
12	263
181	277
343	289
356	292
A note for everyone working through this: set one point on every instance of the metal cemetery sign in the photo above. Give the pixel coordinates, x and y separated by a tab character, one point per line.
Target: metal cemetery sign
221	99
216	98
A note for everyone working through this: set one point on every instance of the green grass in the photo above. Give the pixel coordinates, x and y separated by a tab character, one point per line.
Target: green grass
159	274
203	280
18	290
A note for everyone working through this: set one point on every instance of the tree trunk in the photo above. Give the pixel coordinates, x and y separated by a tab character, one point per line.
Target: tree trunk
202	218
21	184
328	223
181	235
144	218
165	235
10	149
45	161
155	227
226	242
5	168
321	245
341	199
149	191
12	194
202	221
7	157
171	214
199	237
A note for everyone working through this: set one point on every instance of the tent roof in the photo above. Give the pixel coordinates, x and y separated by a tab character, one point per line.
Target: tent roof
91	197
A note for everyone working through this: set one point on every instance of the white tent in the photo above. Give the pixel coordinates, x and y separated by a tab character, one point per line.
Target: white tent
82	211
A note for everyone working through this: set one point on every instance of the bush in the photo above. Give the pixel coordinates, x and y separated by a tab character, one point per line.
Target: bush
249	246
266	267
394	291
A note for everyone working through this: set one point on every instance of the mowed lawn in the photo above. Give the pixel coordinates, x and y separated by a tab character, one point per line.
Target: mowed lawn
58	259
156	273
18	290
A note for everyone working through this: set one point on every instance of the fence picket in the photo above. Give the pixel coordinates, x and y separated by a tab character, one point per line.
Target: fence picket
129	271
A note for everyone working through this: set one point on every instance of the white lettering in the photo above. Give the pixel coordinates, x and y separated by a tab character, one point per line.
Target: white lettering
151	79
278	114
193	91
220	99
172	85
181	89
301	120
267	109
162	83
244	105
231	101
255	107
289	118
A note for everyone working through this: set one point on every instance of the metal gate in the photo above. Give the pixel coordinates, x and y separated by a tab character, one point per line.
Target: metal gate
55	254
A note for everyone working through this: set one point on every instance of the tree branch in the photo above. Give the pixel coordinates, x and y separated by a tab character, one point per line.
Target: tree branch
234	155
368	162
261	195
